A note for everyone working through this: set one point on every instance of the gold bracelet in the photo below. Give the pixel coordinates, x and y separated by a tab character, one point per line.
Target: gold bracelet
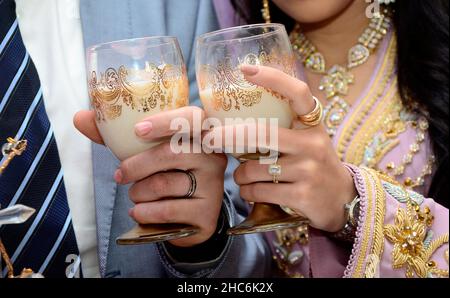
315	117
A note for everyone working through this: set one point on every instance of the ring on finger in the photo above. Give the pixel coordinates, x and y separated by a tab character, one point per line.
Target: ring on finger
275	171
315	116
192	186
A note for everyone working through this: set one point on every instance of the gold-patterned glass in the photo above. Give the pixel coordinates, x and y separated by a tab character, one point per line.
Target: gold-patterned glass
130	80
225	94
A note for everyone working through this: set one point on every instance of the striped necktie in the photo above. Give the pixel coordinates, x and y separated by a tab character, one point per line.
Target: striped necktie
46	242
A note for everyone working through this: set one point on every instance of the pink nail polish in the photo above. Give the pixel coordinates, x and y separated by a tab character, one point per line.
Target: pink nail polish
249	70
118	176
143	128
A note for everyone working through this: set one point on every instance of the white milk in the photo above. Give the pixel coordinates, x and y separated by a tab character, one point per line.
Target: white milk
119	133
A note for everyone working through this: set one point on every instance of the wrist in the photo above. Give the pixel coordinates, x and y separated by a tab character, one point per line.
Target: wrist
348	195
205	251
352	211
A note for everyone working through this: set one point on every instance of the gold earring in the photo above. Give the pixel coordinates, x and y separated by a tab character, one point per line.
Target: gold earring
266	11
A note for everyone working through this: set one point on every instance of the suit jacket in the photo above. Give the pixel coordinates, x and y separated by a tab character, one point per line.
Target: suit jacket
108	20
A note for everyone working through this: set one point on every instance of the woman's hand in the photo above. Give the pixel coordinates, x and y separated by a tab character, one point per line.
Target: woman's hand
313	180
156	189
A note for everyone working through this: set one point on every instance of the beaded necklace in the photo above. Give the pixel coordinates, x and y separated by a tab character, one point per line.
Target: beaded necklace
335	82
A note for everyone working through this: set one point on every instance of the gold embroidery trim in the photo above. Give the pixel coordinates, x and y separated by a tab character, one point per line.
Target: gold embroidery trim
358	271
370	252
287	239
434	245
372	267
373	124
378	235
377	89
408	234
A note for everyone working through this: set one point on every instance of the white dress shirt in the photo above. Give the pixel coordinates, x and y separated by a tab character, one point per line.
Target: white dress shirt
51	31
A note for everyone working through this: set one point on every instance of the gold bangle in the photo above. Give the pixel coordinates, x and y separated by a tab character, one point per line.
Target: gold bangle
315	117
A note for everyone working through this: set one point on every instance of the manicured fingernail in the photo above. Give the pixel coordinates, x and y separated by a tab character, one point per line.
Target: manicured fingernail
249	70
143	128
118	176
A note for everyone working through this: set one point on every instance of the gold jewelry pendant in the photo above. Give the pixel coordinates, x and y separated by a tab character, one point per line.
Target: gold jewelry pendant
357	56
336	81
316	63
334	114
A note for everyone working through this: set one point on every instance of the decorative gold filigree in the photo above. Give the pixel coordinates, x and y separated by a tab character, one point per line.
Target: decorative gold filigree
288	249
380	213
11	149
371	239
355	136
372	267
113	90
229	87
408	235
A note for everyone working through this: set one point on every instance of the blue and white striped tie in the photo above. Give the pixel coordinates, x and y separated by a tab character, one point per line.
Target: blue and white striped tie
46	242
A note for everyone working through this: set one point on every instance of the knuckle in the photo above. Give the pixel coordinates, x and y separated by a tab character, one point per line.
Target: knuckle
299	169
247	172
310	169
253	191
245	192
210	228
299	192
320	151
301	88
164	152
239	175
208	224
140	213
126	167
133	193
236	176
166	213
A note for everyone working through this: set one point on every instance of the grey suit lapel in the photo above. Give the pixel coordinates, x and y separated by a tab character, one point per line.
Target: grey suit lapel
105	189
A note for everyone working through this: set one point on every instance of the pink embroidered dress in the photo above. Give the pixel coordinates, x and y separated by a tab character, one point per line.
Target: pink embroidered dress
400	233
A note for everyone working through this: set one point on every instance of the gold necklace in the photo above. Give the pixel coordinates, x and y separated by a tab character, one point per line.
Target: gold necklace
336	80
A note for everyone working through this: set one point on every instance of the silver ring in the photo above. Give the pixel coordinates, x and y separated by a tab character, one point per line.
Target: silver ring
193	185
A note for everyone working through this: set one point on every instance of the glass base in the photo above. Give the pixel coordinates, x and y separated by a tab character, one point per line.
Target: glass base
266	218
142	234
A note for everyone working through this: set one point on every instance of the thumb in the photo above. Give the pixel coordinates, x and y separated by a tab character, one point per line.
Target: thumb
84	121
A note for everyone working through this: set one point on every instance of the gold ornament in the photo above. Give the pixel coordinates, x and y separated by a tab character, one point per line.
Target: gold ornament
408	234
337	79
266	12
15	214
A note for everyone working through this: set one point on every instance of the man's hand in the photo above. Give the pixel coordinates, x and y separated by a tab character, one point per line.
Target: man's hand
158	190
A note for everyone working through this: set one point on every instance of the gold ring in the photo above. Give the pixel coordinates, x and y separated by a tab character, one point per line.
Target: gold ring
275	171
315	116
193	185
